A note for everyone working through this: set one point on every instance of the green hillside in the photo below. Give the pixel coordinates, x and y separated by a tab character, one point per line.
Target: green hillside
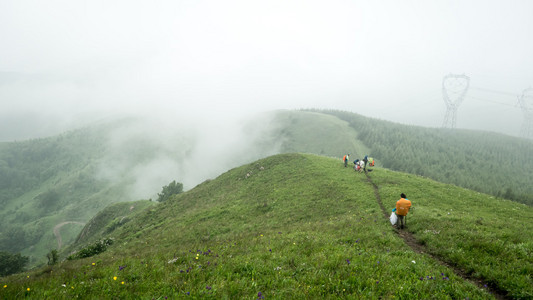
487	162
318	133
65	180
303	226
46	182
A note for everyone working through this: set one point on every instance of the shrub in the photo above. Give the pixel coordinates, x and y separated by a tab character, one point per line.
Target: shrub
93	249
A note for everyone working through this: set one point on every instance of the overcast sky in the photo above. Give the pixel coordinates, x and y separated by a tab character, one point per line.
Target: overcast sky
62	61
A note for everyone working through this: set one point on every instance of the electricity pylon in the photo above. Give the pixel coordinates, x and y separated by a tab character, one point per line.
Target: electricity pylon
454	88
526	104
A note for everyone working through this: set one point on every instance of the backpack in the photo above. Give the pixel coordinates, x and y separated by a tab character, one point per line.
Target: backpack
371	161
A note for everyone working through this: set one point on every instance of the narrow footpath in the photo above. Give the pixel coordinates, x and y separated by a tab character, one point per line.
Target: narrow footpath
411	241
58	234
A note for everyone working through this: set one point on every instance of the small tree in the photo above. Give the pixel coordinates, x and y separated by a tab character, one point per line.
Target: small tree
172	188
11	263
52	257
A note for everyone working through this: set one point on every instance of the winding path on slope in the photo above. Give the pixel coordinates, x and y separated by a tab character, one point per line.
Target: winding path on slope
411	241
58	234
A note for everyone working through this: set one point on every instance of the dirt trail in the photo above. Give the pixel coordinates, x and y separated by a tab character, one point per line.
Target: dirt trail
58	235
411	241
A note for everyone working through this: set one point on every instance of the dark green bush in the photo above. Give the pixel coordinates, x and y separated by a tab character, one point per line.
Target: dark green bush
93	249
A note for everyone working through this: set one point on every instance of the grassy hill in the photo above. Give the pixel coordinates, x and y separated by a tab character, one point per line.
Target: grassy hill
483	161
303	226
65	180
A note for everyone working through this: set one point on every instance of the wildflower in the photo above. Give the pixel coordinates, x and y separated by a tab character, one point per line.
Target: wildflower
414	262
261	235
94	264
115	278
208	287
122	282
175	259
188	293
5	285
120	268
260	296
348	261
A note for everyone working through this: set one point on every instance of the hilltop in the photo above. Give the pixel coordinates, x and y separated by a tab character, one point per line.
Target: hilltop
300	226
67	179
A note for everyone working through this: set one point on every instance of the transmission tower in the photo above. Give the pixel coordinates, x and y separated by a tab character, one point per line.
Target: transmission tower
526	104
454	88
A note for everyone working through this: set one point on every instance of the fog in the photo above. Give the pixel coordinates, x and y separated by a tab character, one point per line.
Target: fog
69	63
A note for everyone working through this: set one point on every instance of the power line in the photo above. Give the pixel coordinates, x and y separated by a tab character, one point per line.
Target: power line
491	101
495	91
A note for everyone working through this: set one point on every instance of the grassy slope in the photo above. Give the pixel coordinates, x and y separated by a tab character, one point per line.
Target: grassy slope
299	226
318	133
107	220
483	161
68	165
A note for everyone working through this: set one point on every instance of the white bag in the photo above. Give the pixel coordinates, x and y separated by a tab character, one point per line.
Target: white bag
393	218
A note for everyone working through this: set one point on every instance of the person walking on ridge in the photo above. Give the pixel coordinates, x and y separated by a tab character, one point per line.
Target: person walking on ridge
402	208
346	158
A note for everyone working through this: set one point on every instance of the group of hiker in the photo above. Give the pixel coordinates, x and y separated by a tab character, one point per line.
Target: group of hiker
359	164
398	216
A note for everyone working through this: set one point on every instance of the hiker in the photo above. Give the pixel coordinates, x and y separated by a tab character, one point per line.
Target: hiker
402	208
346	158
358	165
365	160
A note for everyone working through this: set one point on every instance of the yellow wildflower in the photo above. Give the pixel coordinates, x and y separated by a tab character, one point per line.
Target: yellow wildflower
28	289
5	285
94	264
122	282
115	278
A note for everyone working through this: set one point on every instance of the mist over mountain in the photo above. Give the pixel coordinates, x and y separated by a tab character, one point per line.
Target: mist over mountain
68	64
66	179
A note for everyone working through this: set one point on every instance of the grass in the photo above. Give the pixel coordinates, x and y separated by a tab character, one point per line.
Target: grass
297	226
489	238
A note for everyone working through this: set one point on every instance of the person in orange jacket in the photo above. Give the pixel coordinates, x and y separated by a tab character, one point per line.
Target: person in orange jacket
345	158
402	208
